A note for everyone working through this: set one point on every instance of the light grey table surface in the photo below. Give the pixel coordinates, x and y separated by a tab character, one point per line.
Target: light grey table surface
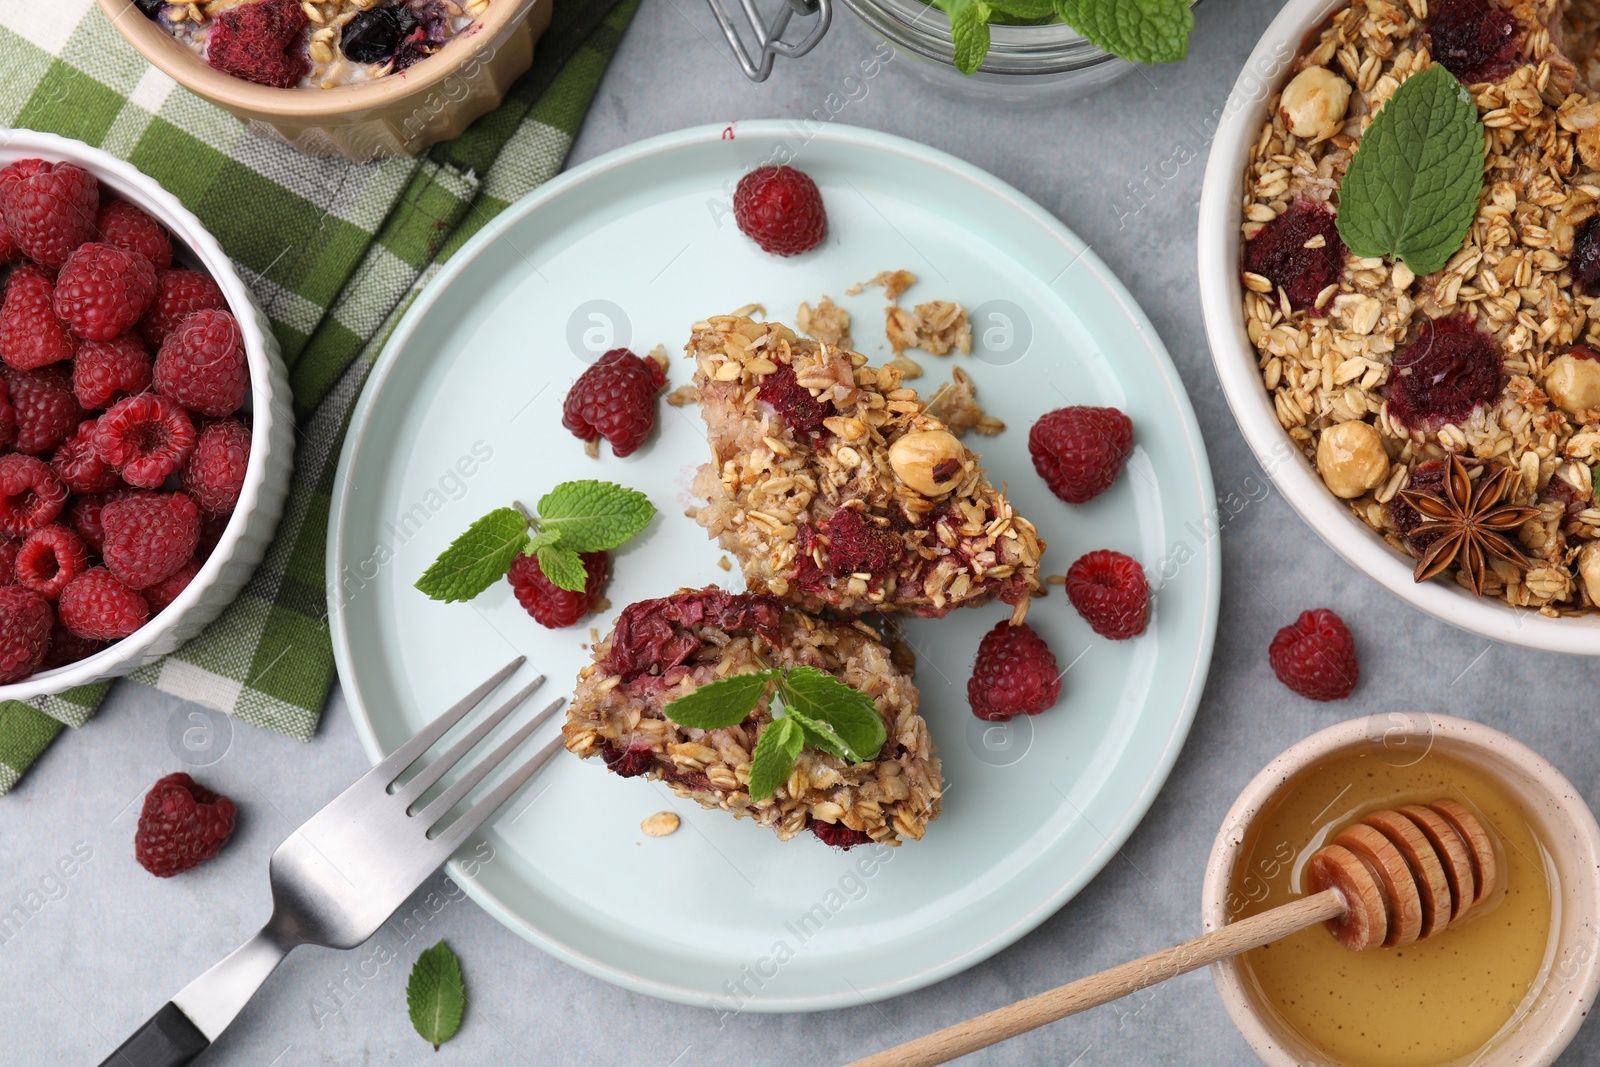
112	943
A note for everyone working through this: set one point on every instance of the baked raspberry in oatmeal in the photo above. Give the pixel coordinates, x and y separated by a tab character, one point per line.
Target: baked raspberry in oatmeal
836	489
1379	375
664	649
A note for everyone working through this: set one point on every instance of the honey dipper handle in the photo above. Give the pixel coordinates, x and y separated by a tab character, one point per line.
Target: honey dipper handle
1013	1019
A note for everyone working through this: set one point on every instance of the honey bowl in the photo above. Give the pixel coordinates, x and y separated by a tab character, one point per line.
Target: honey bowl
1509	985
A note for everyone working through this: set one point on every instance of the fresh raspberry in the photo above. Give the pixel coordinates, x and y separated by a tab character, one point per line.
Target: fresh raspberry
25	621
164	592
149	536
67	647
8	417
130	227
30	494
49	558
1279	254
179	294
802	411
1110	592
45	409
9	252
261	43
215	473
1078	451
97	606
202	364
84	516
182	824
615	399
79	466
1474	40
30	334
49	208
857	546
1441	376
147	437
1016	674
8	560
552	606
212	527
103	291
839	835
107	370
1316	656
780	209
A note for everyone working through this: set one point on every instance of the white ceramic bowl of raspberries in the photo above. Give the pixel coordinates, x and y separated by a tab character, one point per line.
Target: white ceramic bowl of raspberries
146	439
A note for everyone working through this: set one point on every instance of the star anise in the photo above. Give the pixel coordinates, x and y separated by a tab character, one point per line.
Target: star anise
1472	522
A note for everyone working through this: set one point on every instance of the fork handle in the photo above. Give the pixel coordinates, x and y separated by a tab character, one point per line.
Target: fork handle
169	1039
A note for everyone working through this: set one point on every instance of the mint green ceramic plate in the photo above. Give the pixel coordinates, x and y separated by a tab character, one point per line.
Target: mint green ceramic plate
462	415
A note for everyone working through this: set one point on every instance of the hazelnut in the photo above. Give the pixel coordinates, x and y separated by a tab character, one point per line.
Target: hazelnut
1314	102
929	461
1589	570
1351	459
1573	383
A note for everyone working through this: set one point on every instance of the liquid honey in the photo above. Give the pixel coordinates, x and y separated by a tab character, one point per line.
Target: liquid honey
1427	1003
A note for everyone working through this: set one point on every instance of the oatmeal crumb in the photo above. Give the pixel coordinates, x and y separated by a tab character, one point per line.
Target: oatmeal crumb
725	563
661	824
956	406
938	327
1055	579
591	448
909	368
894	283
683	396
827	322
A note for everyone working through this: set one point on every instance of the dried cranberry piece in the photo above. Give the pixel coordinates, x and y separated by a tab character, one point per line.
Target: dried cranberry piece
653	636
856	546
630	762
802	411
1441	376
1279	254
1425	478
1472	39
840	836
1584	263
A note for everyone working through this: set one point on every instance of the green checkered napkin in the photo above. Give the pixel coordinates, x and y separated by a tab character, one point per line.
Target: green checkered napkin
335	252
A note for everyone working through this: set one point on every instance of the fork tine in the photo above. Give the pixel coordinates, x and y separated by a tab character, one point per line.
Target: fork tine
404	756
474	816
463	785
408	793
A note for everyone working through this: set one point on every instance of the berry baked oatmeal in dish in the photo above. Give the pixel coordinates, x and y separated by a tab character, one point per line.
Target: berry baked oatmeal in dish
666	649
313	44
1456	407
835	489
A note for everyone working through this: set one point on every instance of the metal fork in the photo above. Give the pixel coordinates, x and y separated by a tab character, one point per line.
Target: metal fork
346	869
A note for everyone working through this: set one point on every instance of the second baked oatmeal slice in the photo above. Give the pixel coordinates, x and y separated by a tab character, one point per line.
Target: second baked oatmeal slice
836	490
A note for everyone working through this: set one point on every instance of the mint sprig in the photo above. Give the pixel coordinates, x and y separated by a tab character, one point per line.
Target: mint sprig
817	710
1411	191
436	997
969	30
1142	31
574	517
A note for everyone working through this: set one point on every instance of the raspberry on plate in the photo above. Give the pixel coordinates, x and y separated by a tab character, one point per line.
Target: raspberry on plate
30	494
97	606
181	825
164	592
179	294
1110	592
49	558
130	227
260	42
1079	451
1015	674
1316	656
215	473
107	370
49	208
45	409
31	335
202	364
552	606
79	466
780	209
25	622
615	399
103	291
147	438
149	536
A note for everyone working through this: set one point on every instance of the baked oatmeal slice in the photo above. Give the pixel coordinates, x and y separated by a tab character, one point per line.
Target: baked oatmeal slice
836	489
664	649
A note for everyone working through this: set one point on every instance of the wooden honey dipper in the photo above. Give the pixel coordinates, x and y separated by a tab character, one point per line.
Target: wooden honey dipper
1397	876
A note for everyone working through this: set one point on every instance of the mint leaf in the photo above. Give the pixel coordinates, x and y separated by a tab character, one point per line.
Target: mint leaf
843	717
1144	31
540	540
969	29
725	702
1029	10
592	516
478	558
776	750
1412	190
563	566
435	995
